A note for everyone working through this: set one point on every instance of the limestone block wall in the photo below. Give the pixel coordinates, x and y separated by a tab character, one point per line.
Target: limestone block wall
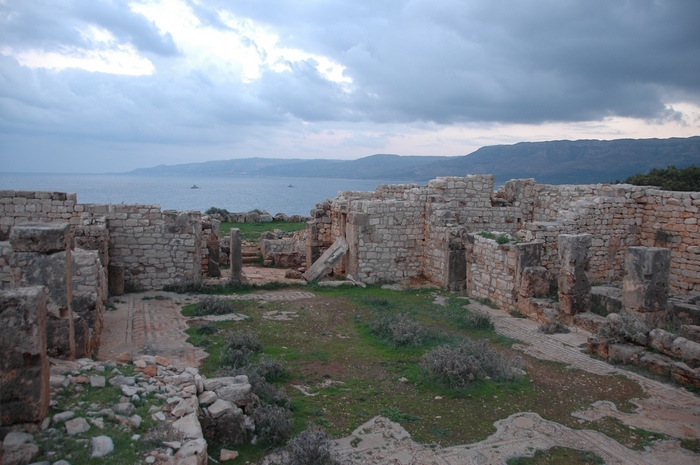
492	271
670	220
385	239
156	248
33	207
5	275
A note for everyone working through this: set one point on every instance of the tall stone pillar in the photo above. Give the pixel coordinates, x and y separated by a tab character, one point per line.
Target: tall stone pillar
574	286
236	257
645	286
42	256
24	363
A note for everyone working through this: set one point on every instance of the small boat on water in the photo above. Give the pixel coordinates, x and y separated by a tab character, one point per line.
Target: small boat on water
194	186
290	186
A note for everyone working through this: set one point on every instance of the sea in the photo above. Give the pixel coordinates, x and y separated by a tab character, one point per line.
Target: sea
292	196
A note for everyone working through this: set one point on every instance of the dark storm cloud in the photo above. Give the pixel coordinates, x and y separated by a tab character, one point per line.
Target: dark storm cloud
53	24
526	61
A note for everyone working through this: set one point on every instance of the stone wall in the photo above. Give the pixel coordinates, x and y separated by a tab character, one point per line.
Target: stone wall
616	216
670	220
154	247
33	207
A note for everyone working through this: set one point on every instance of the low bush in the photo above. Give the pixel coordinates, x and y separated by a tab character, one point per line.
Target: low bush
399	330
211	305
241	345
271	369
624	328
457	365
474	322
311	447
273	424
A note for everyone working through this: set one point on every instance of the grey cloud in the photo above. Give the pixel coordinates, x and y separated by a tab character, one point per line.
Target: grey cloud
54	24
526	62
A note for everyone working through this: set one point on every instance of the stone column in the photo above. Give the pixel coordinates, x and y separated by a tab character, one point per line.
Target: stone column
236	257
42	256
574	286
24	363
645	286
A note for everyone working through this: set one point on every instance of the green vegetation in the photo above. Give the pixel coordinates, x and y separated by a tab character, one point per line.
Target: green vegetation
331	369
251	231
78	448
559	455
670	179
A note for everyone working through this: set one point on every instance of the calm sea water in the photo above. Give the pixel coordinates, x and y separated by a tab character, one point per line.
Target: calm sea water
234	193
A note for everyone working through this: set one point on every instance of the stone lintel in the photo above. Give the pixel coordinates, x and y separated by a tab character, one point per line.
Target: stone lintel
43	238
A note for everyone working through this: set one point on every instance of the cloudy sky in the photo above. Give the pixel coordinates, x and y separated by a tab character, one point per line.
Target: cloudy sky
112	85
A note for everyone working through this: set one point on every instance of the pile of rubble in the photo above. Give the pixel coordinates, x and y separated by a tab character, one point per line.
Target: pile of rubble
184	407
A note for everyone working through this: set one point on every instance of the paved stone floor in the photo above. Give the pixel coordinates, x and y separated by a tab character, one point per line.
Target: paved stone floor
143	324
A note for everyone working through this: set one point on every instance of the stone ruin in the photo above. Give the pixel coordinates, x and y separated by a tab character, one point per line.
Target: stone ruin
552	253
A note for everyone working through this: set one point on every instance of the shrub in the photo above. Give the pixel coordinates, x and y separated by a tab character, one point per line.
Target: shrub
474	321
457	365
502	239
620	328
267	393
311	447
272	369
218	211
241	346
554	327
211	305
399	330
273	424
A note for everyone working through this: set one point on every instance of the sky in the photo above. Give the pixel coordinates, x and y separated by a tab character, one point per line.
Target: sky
109	86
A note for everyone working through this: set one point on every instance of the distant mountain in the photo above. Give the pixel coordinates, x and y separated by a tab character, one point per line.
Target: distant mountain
554	162
569	162
218	167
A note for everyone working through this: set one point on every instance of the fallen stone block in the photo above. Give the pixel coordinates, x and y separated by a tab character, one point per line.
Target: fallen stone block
327	261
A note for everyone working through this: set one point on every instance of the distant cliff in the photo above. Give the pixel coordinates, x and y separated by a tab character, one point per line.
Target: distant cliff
554	162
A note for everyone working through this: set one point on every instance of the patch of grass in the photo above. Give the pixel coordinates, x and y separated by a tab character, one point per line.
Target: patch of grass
559	455
517	314
397	416
692	445
330	341
251	231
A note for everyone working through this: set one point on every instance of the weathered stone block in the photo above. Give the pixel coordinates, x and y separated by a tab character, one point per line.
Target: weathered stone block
624	353
645	286
574	286
24	364
45	238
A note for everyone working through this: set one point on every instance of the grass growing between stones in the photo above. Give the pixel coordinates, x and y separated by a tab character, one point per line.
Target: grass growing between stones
559	455
54	443
251	231
342	373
